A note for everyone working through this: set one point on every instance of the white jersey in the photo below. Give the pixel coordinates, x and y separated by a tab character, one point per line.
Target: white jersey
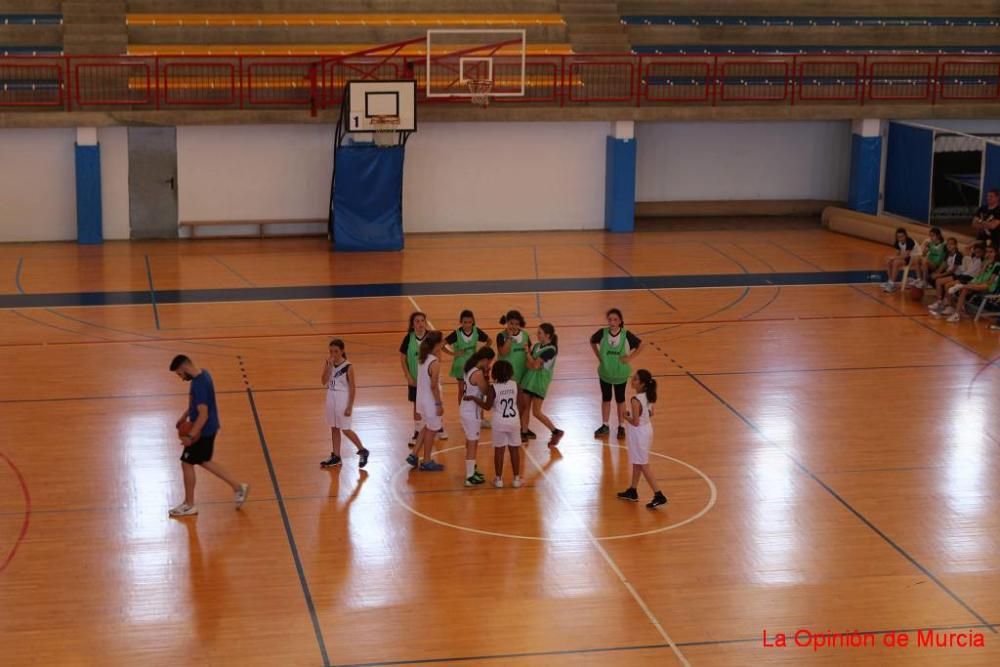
470	408
505	415
338	377
644	417
425	396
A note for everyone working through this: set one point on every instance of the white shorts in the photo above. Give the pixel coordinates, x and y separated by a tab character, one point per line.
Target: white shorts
471	425
506	438
336	404
638	440
430	416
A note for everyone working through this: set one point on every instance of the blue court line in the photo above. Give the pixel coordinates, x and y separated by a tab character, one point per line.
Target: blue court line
152	293
843	501
314	617
308	292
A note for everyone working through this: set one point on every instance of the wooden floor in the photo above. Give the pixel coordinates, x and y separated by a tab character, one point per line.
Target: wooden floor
831	456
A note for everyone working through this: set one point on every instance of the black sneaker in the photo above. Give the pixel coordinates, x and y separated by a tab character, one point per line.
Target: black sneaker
363	458
621	432
331	462
557	435
629	494
604	430
531	434
524	436
658	499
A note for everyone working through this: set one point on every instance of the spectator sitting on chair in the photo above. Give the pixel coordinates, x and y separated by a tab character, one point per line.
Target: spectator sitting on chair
904	246
952	263
987	220
971	265
984	283
932	257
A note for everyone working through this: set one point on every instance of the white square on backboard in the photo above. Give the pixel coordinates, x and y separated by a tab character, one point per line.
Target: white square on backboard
480	68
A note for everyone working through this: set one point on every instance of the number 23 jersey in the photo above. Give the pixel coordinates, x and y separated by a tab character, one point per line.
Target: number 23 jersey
505	415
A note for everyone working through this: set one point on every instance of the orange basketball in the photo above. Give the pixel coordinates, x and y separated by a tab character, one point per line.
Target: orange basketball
915	293
184	429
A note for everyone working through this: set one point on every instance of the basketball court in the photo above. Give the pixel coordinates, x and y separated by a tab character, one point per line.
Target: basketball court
828	450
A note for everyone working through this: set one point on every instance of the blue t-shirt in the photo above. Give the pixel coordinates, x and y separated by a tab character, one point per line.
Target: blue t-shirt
203	393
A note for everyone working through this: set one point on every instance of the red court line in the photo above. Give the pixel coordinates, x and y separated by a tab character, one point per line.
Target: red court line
27	512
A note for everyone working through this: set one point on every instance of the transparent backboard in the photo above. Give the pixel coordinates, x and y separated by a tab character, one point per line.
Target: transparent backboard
457	56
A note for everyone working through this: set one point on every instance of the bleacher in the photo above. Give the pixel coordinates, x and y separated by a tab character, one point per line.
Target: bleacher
30	28
275	27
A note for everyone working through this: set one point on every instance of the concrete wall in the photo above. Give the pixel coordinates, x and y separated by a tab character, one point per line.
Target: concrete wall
37	185
114	181
749	160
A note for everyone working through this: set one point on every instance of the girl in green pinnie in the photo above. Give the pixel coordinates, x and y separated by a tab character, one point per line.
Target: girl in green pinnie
461	344
409	351
513	344
614	346
541	366
935	252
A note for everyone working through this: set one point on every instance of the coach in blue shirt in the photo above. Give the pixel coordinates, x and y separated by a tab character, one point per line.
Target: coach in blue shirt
198	426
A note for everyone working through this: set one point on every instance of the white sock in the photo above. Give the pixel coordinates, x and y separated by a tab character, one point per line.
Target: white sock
470	467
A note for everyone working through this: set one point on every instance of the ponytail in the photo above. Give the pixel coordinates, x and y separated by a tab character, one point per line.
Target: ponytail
427	345
477	356
648	384
550	331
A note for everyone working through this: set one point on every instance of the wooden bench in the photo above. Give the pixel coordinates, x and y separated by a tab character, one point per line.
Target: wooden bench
261	225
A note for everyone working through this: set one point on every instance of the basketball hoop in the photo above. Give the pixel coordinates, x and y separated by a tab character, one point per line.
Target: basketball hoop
479	90
385	129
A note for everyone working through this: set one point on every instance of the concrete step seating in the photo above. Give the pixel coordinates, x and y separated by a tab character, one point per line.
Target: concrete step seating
302	20
316	49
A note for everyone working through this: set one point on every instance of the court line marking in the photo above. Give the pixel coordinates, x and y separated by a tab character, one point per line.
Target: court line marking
17	276
152	293
416	306
611	561
639	280
299	568
840	499
713	497
26	512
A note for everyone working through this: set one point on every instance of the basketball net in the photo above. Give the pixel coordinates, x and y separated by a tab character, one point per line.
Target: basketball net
479	90
385	130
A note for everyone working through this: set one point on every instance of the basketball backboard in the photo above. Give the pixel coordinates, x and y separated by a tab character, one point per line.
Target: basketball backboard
370	101
456	57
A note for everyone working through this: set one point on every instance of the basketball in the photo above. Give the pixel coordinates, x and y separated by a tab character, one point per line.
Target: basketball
184	429
915	294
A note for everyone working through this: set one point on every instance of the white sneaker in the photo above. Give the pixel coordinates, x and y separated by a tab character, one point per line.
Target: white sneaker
886	287
442	435
485	423
948	310
890	288
516	483
954	317
241	495
497	482
934	307
183	510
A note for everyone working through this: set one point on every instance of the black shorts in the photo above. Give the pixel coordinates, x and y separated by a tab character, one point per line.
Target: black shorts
411	394
619	390
964	280
199	452
532	394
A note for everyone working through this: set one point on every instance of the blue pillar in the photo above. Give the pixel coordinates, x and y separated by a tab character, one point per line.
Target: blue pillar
89	222
619	179
866	167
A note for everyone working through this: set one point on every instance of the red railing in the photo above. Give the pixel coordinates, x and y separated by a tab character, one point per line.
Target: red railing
243	82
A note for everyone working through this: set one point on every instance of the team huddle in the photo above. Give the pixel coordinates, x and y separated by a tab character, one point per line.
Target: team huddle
510	382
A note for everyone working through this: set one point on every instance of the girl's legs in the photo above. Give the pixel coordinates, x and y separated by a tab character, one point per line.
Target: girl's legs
461	392
471	447
425	444
621	414
636	470
536	409
498	453
523	408
647	473
605	412
353	437
515	461
335	437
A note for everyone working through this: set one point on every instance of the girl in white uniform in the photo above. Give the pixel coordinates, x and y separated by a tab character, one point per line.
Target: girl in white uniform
474	388
430	408
502	400
639	437
338	376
